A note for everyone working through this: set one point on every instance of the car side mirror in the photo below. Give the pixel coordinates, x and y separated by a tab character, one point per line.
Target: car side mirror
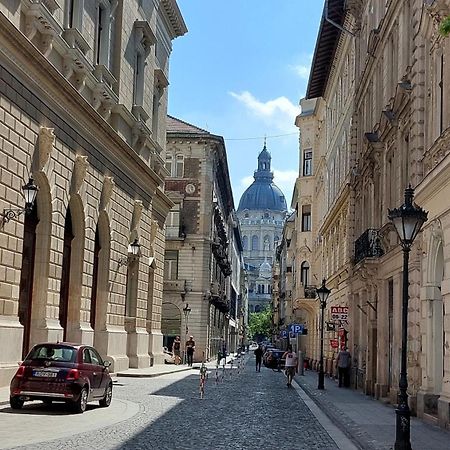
106	363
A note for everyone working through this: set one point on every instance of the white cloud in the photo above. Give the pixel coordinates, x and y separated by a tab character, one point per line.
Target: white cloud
302	71
279	112
285	180
246	181
303	67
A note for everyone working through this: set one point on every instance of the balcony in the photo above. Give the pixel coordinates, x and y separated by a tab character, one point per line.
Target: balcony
368	246
310	292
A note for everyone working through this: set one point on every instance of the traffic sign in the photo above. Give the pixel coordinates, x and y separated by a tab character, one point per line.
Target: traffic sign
296	328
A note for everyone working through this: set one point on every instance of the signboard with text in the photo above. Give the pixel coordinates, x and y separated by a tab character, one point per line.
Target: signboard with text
339	313
334	343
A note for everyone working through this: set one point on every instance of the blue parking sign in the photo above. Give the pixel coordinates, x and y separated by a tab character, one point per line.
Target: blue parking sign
296	328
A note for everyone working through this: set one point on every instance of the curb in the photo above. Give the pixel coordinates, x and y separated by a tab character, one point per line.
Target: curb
149	375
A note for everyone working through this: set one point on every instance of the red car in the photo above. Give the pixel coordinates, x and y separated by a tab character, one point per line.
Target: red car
73	373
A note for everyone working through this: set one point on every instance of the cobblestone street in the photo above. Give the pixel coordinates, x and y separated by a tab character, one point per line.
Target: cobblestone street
244	411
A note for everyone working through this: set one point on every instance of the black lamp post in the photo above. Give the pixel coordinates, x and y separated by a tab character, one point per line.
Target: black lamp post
186	312
323	292
408	220
30	191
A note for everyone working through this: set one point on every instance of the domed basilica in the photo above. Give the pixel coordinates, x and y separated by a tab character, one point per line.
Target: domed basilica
261	212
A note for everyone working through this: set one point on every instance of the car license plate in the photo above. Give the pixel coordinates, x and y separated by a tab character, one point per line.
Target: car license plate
45	374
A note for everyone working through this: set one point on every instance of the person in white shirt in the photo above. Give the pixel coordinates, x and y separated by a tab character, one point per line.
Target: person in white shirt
291	364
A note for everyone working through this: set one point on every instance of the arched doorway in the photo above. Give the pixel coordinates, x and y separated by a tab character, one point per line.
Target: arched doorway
27	276
170	323
65	273
100	280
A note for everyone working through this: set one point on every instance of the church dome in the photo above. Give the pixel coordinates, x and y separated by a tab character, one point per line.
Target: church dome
263	194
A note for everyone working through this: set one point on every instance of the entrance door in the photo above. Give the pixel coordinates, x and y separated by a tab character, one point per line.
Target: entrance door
97	249
65	276
27	276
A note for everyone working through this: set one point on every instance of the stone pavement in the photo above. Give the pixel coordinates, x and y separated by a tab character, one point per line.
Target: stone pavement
368	422
242	410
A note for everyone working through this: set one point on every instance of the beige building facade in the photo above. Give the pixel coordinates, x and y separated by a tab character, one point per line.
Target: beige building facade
82	112
204	254
380	122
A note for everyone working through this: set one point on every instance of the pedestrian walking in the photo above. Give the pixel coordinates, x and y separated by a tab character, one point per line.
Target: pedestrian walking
343	364
176	350
258	355
291	365
190	348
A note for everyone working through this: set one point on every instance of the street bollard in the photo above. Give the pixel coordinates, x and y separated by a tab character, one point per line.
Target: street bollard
301	368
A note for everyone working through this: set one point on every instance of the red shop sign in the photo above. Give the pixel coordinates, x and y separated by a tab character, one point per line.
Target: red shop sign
334	343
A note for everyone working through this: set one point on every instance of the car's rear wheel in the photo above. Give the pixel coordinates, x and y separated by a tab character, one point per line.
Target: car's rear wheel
15	402
106	400
79	405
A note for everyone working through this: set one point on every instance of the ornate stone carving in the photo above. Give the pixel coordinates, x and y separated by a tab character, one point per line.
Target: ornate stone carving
136	220
44	148
108	187
79	173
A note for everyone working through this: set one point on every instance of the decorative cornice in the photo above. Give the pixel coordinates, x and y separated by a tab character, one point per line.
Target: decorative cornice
175	19
42	76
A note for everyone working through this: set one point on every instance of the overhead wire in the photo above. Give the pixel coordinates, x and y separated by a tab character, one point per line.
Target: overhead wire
259	137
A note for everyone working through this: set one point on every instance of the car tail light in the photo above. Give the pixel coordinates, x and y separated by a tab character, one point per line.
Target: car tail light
20	372
73	375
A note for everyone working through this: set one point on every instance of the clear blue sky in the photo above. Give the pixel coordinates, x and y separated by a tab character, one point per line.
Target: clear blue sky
240	72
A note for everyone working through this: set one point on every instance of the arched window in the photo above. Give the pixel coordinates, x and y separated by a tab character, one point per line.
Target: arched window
255	243
304	273
245	242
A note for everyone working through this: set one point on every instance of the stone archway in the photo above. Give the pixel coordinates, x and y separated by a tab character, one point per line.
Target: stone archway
433	326
27	275
100	283
42	327
72	272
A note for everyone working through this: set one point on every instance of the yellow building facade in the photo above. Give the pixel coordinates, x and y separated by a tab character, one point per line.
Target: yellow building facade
377	120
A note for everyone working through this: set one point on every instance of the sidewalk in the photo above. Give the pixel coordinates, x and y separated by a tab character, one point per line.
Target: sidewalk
369	423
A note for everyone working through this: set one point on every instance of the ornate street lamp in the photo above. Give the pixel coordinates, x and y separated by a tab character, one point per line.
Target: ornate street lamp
186	312
323	293
30	191
407	220
134	251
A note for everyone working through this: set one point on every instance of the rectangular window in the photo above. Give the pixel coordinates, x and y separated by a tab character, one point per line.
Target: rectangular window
173	223
169	164
138	80
171	265
102	34
307	163
306	218
180	166
73	13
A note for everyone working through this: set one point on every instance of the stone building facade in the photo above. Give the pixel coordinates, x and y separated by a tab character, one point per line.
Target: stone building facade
375	112
82	111
203	244
261	212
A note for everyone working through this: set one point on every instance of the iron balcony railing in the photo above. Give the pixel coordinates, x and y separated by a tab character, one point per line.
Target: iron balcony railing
368	246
